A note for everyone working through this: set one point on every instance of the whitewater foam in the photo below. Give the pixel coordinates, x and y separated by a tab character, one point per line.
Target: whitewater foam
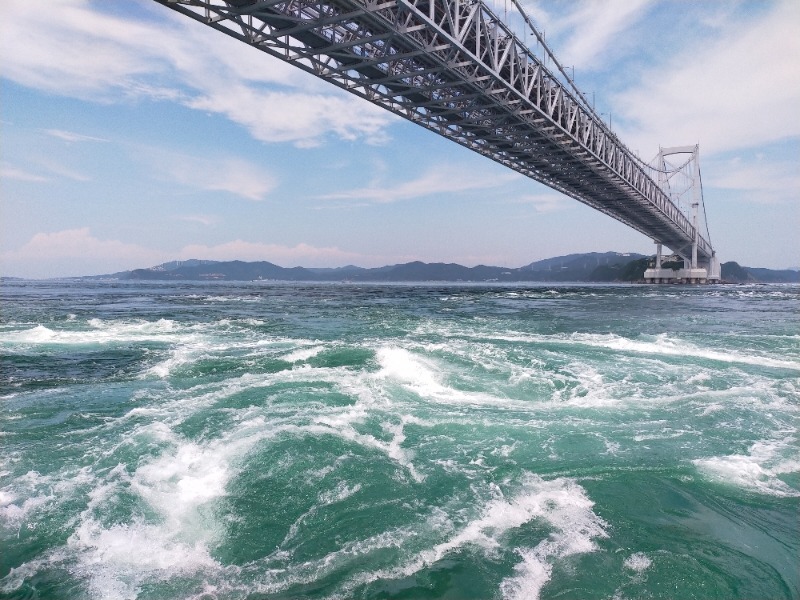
302	354
341	426
758	471
561	503
425	378
30	496
414	455
402	365
638	562
172	529
566	507
99	332
660	344
116	561
668	346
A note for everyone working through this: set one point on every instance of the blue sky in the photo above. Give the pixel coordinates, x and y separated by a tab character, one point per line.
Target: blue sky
131	135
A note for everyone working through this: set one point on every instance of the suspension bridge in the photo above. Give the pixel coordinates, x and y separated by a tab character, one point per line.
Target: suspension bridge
456	68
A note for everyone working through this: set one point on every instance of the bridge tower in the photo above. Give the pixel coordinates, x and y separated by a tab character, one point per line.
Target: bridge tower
682	184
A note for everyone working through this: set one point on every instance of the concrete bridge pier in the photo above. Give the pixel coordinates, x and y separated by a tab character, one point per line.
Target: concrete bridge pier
692	271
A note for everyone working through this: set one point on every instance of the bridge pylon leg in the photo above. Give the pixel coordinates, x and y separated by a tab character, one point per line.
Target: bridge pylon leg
696	235
658	274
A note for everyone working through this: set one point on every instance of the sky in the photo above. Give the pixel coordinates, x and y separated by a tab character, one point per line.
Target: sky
131	135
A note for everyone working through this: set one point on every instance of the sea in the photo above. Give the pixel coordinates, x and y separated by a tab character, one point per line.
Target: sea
268	440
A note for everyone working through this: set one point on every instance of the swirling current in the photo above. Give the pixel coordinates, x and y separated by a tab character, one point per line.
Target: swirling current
272	441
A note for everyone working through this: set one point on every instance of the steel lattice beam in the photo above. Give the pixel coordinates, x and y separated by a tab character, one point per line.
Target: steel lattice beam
455	68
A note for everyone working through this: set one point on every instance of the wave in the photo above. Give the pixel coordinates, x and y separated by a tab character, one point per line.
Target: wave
171	529
404	449
302	354
667	346
647	344
99	332
560	503
759	471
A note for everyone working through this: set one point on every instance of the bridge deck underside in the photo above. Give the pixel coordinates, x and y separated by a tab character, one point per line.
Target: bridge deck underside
452	67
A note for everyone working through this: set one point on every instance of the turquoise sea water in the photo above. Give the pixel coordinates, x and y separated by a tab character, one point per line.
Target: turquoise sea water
279	441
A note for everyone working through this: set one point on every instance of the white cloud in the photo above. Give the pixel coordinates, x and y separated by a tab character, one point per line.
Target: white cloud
302	118
224	174
62	171
206	220
765	182
10	172
69	136
74	252
437	181
738	90
585	31
593	27
73	49
70	49
300	254
545	203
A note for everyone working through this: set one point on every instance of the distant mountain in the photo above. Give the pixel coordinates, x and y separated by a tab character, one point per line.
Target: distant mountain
177	264
346	268
162	268
235	270
592	266
734	272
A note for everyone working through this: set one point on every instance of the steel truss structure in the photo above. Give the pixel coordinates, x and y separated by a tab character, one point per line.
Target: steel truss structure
455	68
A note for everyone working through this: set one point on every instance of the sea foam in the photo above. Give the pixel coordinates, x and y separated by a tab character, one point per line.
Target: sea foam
566	507
560	503
758	471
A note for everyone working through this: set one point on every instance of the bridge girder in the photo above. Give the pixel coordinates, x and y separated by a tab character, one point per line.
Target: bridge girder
454	67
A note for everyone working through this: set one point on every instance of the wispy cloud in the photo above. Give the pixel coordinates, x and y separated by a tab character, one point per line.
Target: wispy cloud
76	50
8	171
11	172
765	182
735	90
71	49
75	252
436	181
298	117
544	203
63	171
69	136
206	220
221	174
586	30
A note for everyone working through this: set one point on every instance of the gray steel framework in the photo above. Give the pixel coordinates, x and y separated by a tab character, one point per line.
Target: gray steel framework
455	68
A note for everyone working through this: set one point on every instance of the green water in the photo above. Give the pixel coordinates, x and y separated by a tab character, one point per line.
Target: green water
282	441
